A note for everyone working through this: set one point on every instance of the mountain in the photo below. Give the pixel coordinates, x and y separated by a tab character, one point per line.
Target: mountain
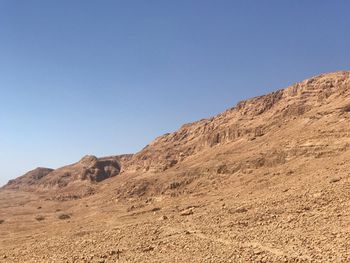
297	107
264	181
292	117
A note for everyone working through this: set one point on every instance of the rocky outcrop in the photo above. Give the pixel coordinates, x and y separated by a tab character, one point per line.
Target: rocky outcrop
89	169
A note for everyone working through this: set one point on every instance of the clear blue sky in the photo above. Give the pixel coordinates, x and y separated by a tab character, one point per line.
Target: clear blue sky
107	77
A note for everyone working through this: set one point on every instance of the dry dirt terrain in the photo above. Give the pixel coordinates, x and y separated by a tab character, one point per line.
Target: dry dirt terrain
265	181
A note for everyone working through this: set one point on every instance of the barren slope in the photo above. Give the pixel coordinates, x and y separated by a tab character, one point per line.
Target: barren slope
265	181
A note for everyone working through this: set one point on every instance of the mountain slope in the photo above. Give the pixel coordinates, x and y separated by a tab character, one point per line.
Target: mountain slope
265	181
304	105
249	119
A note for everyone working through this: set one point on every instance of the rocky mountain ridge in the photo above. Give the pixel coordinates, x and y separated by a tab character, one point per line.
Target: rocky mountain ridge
248	120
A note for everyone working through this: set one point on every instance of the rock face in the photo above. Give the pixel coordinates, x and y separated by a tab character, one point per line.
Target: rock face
97	170
248	120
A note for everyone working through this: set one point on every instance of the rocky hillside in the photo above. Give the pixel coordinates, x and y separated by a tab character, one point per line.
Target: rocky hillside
303	106
249	119
89	169
265	181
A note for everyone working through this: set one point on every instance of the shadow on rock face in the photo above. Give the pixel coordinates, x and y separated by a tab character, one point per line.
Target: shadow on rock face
97	170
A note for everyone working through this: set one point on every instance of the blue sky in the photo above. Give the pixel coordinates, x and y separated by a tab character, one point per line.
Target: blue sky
107	77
